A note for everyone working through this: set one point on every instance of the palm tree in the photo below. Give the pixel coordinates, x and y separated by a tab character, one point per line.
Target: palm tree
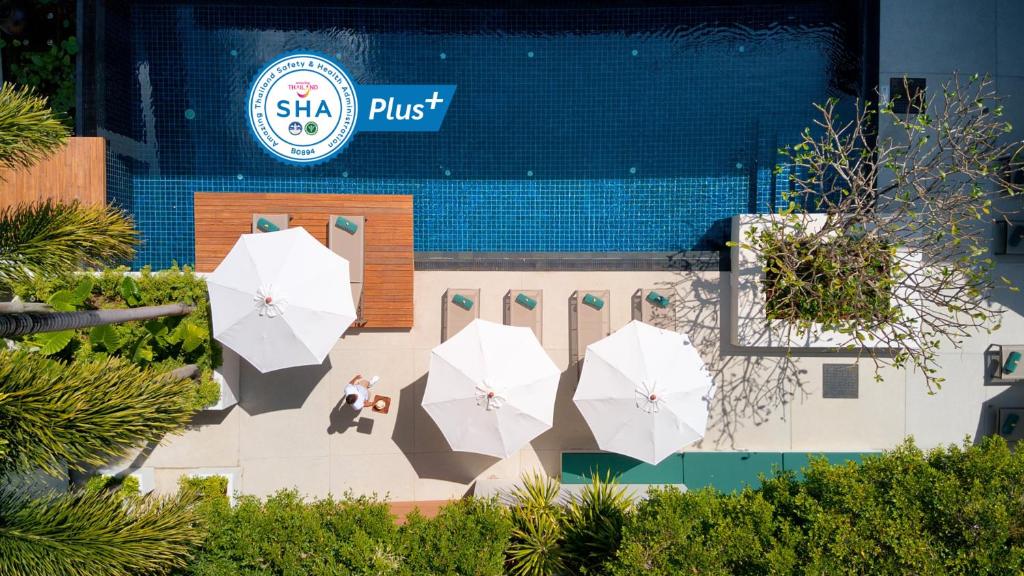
86	534
29	130
48	237
55	415
39	239
33	322
83	413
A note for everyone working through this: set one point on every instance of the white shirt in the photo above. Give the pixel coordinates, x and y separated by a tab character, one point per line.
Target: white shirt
362	395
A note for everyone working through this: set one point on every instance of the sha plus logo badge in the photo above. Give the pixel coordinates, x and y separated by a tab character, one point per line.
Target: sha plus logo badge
303	108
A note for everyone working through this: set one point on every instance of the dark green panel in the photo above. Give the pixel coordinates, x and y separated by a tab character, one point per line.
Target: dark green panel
797	461
728	471
579	467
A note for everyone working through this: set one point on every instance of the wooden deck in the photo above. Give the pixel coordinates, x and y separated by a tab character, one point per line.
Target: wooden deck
76	172
221	217
428	508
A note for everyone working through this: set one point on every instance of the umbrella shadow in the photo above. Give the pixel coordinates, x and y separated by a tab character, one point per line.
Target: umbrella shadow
285	389
426	448
569	430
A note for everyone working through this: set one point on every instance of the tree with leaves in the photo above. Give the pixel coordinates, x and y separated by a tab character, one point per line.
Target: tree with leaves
56	416
885	238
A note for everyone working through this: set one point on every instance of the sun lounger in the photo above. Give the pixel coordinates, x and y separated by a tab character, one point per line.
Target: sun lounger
345	237
460	308
652	306
589	321
269	222
525	308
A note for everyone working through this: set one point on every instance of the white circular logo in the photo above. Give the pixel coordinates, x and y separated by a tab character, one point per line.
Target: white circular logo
302	108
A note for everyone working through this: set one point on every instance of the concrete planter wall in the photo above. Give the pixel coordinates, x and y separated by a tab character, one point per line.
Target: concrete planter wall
749	318
226	375
233	476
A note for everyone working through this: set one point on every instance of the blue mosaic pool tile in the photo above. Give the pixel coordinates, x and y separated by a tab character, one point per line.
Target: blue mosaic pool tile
630	128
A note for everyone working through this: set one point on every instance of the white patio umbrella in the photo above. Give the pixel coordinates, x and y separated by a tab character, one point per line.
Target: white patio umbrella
491	388
281	299
644	392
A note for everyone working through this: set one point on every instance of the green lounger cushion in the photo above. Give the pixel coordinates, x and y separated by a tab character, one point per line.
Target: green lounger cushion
264	225
1011	363
462	302
593	301
346	225
657	299
525	301
1010	424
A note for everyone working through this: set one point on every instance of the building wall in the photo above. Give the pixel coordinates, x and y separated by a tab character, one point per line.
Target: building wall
932	39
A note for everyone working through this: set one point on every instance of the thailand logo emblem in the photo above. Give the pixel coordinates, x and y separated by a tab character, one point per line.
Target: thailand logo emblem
302	108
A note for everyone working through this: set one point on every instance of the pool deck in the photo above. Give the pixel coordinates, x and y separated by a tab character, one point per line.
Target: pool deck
220	218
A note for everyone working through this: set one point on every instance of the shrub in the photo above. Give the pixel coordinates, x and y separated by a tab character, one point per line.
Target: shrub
812	282
950	511
284	535
704	532
536	544
122	485
593	525
162	344
208	488
468	537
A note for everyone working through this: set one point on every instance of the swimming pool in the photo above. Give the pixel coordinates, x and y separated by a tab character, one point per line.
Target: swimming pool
599	129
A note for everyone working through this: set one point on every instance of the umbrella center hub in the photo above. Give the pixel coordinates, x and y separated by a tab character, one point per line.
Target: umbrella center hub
268	302
653	397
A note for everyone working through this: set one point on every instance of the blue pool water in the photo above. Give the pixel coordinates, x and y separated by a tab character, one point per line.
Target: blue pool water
613	129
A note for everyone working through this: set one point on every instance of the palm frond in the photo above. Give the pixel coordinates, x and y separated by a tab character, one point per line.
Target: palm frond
593	524
83	413
86	534
29	130
51	238
535	490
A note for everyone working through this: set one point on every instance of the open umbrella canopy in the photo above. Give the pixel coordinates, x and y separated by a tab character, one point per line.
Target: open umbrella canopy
491	388
281	299
644	392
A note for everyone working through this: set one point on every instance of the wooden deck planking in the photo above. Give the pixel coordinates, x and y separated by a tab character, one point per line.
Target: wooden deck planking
221	217
77	172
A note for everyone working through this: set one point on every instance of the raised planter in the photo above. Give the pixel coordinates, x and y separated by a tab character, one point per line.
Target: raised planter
233	476
226	375
751	327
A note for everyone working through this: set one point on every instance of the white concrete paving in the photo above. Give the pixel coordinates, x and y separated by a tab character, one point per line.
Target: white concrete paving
289	429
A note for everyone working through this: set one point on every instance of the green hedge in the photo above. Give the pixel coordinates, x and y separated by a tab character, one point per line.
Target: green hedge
284	535
956	510
162	344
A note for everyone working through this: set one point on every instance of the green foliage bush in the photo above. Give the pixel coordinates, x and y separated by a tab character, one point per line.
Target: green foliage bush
47	62
285	535
813	282
162	344
208	488
957	510
125	486
467	537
